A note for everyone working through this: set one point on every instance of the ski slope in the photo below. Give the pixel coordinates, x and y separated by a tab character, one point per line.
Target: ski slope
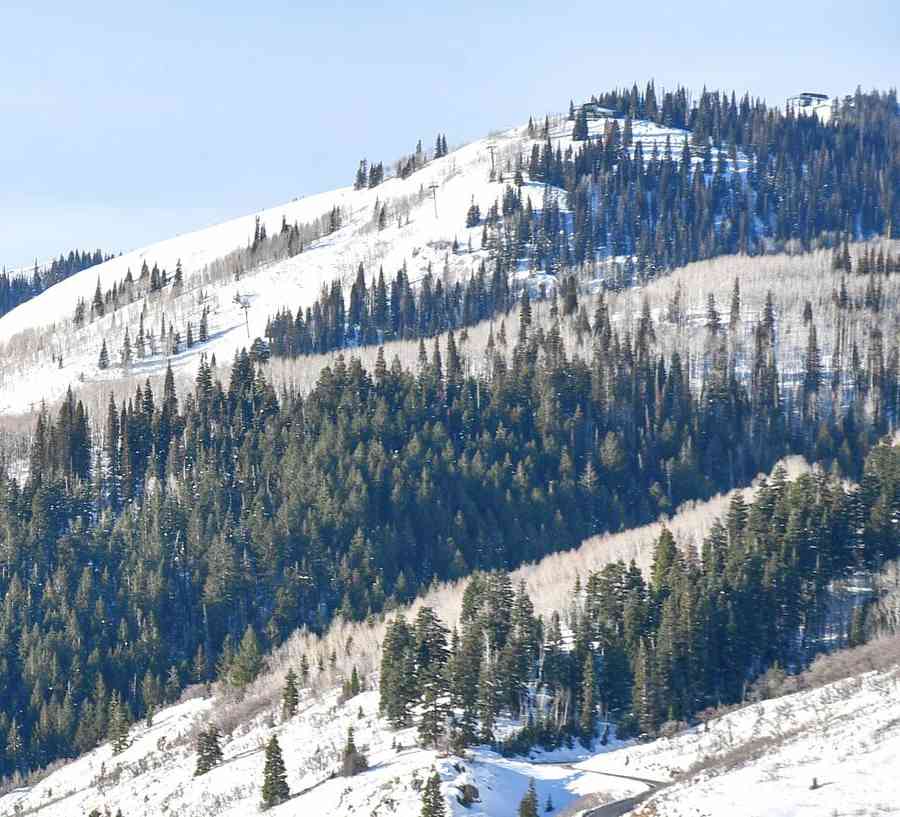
35	335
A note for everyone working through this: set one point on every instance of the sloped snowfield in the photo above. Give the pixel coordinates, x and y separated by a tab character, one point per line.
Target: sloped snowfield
759	760
154	776
762	759
35	335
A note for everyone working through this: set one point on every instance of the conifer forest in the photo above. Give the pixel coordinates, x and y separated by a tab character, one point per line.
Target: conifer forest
186	531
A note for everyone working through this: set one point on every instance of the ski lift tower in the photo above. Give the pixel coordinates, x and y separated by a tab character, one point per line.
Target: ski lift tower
244	303
433	187
492	147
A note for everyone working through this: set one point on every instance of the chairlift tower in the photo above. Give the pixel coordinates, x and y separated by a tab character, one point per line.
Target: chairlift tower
433	188
492	147
244	303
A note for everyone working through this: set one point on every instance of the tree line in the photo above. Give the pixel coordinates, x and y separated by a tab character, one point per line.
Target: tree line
639	651
378	312
17	288
748	178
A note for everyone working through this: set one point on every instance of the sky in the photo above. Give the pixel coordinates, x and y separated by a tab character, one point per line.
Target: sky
124	123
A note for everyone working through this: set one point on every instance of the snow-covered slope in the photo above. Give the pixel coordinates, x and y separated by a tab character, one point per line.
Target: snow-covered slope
154	775
763	759
759	760
35	335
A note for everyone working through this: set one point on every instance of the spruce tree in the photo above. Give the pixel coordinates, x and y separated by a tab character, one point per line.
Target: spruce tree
353	761
290	697
304	669
248	662
209	750
528	806
103	362
117	730
431	675
432	800
275	788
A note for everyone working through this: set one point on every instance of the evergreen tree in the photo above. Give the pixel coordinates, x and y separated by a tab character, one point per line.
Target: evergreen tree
209	750
103	362
431	675
432	800
290	697
275	788
528	806
248	662
353	761
117	731
588	719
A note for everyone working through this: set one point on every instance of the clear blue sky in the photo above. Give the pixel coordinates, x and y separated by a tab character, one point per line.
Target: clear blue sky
125	123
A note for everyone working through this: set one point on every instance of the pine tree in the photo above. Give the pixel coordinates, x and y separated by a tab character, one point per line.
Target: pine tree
734	317
248	662
103	362
432	800
117	731
173	685
15	745
275	788
209	750
645	694
488	699
353	761
304	669
431	675
126	350
97	304
588	720
528	806
290	697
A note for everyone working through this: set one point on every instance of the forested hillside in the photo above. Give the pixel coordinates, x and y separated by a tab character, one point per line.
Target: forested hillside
18	287
210	523
180	533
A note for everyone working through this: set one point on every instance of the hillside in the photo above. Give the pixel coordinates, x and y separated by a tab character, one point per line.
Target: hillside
511	362
34	335
760	759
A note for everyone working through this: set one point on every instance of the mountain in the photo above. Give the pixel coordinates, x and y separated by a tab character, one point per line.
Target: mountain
827	736
612	180
282	430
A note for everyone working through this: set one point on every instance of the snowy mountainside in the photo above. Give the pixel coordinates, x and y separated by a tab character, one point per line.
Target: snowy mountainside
154	775
833	750
44	352
760	759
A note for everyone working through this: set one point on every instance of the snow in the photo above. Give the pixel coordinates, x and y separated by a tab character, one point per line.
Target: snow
462	177
765	756
36	333
155	774
760	760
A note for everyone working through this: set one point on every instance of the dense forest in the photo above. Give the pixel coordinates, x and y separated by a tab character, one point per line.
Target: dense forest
175	538
15	289
641	651
749	179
